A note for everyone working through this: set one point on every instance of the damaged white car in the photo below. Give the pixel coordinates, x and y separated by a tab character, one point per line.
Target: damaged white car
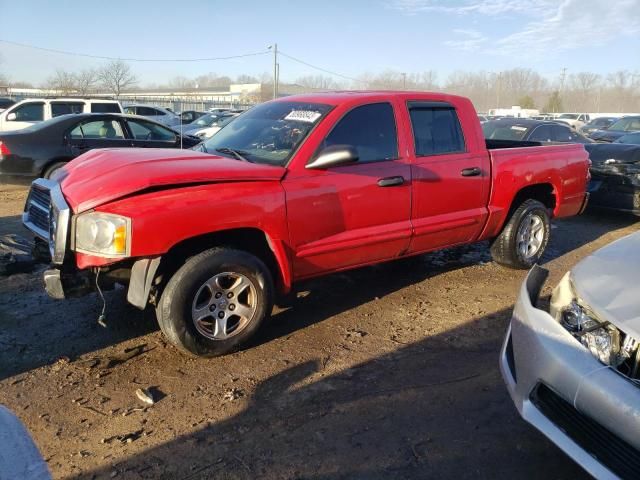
574	372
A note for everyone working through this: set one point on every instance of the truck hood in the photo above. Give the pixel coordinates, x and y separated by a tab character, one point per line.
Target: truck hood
101	176
607	281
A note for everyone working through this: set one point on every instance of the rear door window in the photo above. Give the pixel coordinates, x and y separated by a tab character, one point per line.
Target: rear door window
66	108
371	129
105	108
541	133
436	128
29	112
110	129
562	134
148	112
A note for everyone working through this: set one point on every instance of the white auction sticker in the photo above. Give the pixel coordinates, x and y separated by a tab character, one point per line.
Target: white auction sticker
308	116
519	129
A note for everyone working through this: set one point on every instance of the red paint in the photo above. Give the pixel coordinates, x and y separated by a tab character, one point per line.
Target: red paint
319	221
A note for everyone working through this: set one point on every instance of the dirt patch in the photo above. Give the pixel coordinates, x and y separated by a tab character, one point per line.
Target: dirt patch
384	372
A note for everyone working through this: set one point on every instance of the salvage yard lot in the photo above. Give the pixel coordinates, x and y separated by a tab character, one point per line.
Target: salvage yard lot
384	372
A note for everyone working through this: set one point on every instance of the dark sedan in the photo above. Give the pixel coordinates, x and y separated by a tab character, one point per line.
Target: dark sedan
600	123
618	129
528	130
40	150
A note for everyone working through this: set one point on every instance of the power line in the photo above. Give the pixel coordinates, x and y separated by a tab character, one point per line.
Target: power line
104	57
280	52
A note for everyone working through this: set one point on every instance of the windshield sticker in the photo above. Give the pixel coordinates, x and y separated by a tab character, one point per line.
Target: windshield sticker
519	129
308	116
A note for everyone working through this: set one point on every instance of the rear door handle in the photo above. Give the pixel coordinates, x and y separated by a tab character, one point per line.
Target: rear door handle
390	181
471	172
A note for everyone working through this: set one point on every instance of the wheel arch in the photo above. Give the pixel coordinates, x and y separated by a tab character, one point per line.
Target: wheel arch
252	240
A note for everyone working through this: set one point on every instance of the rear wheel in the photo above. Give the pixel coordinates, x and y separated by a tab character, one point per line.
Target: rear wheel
215	302
524	238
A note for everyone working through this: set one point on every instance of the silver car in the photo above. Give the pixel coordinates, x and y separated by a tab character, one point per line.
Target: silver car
573	372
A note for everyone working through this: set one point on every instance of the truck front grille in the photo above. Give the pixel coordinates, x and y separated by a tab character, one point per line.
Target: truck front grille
37	210
48	216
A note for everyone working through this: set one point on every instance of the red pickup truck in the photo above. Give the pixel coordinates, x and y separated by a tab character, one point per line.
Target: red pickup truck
295	188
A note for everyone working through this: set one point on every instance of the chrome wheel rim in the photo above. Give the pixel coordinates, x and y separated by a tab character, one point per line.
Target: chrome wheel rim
530	235
224	305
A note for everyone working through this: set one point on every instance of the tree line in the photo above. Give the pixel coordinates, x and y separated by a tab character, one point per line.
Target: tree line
575	92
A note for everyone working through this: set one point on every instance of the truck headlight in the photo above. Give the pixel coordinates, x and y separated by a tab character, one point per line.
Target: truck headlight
103	234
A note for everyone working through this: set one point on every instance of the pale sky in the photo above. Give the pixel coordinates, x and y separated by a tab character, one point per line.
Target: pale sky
347	37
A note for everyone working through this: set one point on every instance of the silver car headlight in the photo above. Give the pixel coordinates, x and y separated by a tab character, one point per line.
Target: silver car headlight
601	338
103	234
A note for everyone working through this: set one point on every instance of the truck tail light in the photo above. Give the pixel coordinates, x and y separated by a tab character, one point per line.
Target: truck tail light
4	150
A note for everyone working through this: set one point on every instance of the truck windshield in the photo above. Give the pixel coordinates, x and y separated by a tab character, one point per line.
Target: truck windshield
269	133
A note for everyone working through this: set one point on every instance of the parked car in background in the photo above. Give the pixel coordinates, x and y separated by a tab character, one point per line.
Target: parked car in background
190	116
542	117
527	130
573	370
158	114
42	149
211	130
204	121
617	129
29	112
615	176
600	123
292	189
575	120
630	138
5	103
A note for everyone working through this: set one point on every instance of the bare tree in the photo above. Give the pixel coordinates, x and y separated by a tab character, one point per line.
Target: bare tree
86	80
246	79
318	82
115	76
63	82
181	82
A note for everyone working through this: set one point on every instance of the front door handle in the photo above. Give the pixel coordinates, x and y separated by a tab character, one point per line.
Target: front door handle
390	181
471	172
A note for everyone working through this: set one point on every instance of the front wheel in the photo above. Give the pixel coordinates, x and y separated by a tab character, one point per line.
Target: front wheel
524	238
215	302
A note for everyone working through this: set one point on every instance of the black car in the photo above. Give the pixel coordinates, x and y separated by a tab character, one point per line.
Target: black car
39	150
528	130
615	176
189	116
600	123
617	129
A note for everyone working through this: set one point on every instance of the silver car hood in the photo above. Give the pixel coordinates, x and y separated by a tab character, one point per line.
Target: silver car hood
608	281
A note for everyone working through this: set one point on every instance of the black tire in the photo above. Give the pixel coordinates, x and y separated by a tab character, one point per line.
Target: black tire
505	248
51	169
174	311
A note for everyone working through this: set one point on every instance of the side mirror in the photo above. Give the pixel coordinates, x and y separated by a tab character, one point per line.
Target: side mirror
334	156
11	117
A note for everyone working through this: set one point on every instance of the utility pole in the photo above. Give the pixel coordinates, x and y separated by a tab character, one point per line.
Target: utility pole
276	72
498	82
404	81
562	77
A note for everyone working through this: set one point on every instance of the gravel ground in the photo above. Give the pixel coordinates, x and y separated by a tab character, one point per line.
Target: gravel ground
385	372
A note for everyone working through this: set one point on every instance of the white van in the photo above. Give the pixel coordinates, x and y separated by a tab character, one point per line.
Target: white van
34	110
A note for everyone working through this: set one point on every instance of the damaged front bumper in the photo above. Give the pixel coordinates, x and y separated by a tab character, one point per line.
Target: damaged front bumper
587	409
615	191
